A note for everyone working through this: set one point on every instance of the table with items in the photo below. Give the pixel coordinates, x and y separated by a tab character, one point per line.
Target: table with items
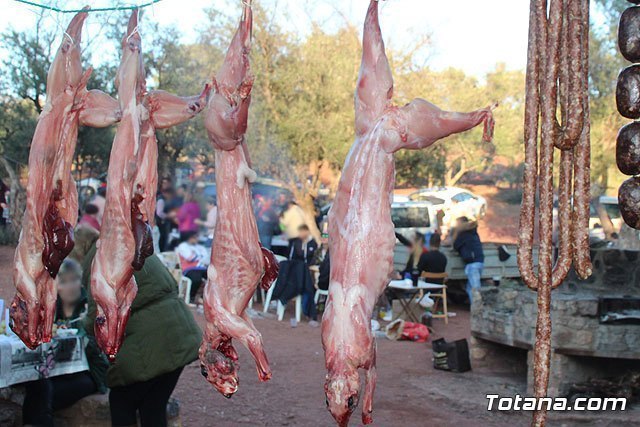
63	355
409	294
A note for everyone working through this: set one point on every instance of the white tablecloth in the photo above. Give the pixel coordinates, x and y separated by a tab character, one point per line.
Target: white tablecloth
407	285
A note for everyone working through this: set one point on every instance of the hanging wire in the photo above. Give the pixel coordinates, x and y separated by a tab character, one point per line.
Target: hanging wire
99	9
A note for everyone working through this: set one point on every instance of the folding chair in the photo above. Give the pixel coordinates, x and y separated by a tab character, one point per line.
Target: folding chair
440	295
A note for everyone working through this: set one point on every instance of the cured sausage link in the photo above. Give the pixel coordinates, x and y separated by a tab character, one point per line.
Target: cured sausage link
557	76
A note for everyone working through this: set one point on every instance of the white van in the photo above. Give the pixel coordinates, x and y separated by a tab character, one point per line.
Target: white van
410	217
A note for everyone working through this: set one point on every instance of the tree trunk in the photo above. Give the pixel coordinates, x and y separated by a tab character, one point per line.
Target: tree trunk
16	194
453	180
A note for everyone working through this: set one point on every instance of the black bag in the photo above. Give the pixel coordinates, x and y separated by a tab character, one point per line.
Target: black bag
453	356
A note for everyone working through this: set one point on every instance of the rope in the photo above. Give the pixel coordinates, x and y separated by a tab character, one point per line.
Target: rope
100	9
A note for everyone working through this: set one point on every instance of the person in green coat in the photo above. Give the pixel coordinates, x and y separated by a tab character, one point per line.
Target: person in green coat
161	338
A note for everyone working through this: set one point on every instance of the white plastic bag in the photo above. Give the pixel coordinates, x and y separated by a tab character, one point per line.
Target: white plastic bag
426	302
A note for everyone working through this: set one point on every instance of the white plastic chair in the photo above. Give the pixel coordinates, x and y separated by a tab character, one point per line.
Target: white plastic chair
319	292
184	286
281	307
262	294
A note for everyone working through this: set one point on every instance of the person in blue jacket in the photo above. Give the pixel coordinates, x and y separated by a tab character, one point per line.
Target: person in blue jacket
467	242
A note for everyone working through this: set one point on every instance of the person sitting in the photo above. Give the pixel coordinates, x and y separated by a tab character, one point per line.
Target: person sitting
161	338
194	261
467	242
414	266
44	397
303	247
433	261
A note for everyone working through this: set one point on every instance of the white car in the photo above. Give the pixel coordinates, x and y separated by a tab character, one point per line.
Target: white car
453	201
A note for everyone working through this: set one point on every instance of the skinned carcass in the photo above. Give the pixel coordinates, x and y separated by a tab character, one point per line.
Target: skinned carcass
52	199
361	233
125	236
239	264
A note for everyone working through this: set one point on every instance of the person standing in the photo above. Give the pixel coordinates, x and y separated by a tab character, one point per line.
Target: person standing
414	263
266	219
161	338
187	215
291	220
467	242
90	217
302	251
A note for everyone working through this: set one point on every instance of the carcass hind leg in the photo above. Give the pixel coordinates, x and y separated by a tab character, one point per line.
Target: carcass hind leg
237	327
49	293
370	387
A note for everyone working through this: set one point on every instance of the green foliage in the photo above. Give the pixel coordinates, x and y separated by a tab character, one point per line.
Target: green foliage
302	102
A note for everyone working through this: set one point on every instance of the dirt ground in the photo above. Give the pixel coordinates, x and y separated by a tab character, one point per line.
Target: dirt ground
409	391
500	225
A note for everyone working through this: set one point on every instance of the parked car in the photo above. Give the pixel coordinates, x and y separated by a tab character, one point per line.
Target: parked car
596	230
408	216
413	216
453	201
610	204
263	186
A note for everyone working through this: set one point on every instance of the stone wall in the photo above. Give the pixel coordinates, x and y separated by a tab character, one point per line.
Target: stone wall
507	315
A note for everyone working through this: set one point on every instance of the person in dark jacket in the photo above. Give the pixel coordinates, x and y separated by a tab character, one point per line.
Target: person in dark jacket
467	242
44	397
303	247
161	338
302	252
325	272
433	261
